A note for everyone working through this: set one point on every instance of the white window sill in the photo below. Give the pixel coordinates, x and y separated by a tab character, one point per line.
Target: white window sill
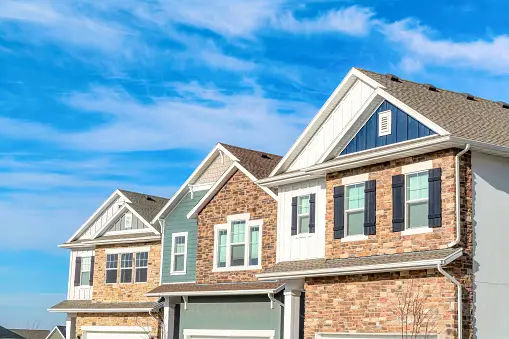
419	230
303	235
351	238
236	268
178	273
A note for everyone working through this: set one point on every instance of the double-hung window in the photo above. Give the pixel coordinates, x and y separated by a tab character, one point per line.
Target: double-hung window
238	244
354	209
111	268
85	270
141	267
179	253
303	216
416	200
126	267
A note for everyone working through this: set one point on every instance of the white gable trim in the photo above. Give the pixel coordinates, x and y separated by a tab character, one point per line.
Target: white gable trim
196	173
101	209
363	115
53	331
322	115
220	183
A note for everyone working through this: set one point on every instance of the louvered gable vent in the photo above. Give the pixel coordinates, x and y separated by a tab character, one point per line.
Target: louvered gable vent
384	123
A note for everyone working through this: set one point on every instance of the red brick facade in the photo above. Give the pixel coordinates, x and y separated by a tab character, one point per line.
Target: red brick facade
239	195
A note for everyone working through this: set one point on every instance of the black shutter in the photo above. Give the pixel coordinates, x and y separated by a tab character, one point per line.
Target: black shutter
92	260
339	212
435	197
370	207
398	203
77	271
312	213
294	215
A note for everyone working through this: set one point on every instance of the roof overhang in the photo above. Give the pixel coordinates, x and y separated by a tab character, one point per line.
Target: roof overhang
217	293
364	269
92	243
100	310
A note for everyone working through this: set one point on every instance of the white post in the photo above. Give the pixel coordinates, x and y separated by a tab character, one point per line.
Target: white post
70	326
293	289
169	316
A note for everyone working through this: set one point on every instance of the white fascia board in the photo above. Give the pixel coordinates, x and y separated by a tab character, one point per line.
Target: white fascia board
94	328
482	147
383	153
92	243
145	222
99	310
113	218
365	269
284	179
87	223
213	293
198	171
323	113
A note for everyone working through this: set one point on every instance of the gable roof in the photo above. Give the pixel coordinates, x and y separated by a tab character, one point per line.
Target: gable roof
5	333
258	163
147	206
478	120
31	334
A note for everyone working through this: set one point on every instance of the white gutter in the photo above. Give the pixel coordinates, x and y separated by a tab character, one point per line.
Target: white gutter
99	310
210	293
458	200
274	300
111	241
460	300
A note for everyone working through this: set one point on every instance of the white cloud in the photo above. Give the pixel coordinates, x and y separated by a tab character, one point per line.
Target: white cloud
419	45
353	20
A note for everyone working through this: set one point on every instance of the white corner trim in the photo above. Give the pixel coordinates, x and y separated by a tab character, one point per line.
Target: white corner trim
418	230
355	179
352	238
262	334
116	328
242	216
127	250
417	167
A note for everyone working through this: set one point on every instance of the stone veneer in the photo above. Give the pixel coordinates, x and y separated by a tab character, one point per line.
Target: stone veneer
117	319
125	292
365	303
239	195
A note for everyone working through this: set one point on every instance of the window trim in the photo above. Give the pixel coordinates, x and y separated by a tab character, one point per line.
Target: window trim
127	268
408	230
305	214
247	243
128	215
106	269
89	270
352	237
135	254
173	237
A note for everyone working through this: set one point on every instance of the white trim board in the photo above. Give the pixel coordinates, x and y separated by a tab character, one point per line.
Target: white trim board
341	335
136	329
99	310
197	334
215	293
53	331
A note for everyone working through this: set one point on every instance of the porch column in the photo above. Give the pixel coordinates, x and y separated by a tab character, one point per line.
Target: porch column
293	289
169	316
70	326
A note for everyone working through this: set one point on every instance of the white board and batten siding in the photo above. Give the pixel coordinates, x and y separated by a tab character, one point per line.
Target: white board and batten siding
78	292
301	246
340	117
102	219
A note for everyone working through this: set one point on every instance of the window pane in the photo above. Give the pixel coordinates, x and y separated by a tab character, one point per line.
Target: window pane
355	196
126	267
221	256
85	278
141	274
126	260
238	255
238	231
126	275
180	244
178	263
303	205
142	259
111	276
355	223
111	261
417	186
418	214
304	224
85	264
253	246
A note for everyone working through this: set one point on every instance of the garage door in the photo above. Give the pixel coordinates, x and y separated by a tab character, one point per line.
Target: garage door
368	336
115	332
228	334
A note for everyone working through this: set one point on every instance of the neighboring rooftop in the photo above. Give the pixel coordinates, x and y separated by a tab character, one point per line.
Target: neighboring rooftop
463	115
8	334
258	163
31	334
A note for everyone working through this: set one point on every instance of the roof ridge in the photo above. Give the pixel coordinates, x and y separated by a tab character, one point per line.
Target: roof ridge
249	149
140	193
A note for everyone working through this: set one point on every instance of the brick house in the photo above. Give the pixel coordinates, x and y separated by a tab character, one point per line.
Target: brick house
229	235
114	260
396	191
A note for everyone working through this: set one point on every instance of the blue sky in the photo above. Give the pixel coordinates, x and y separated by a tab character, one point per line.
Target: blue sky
132	94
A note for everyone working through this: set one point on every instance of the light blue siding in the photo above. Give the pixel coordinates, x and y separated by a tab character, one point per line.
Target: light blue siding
177	222
404	128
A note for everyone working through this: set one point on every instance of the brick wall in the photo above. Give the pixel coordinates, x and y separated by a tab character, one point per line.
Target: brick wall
125	292
239	195
386	241
116	319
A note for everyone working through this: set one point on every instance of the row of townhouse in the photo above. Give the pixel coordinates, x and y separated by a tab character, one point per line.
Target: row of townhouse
396	193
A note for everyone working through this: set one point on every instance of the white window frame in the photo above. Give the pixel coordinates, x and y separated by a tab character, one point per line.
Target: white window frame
247	244
127	268
388	115
420	229
128	216
355	237
172	268
89	270
135	257
303	214
111	269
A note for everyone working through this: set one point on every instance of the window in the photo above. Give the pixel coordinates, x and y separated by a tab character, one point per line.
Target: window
417	200
179	253
85	270
111	268
128	221
141	267
384	123
238	244
303	214
354	209
126	267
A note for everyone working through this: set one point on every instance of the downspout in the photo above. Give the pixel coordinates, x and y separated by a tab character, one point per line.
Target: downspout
460	300
458	200
274	300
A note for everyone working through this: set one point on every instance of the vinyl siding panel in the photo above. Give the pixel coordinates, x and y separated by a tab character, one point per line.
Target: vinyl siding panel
102	219
119	225
177	222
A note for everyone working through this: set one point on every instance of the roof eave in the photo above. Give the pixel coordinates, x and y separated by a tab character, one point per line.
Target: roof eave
100	310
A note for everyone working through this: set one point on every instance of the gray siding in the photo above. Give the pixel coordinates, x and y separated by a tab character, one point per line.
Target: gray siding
177	222
215	170
119	225
491	235
231	313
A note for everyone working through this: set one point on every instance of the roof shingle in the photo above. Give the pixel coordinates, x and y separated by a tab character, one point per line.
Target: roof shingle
193	288
146	205
258	163
89	304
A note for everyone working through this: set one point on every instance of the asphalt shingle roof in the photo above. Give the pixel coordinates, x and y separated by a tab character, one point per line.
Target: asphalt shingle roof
146	205
31	334
89	304
185	288
479	120
258	163
5	333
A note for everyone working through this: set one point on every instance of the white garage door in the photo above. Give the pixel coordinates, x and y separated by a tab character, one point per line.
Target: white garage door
367	336
115	332
228	334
